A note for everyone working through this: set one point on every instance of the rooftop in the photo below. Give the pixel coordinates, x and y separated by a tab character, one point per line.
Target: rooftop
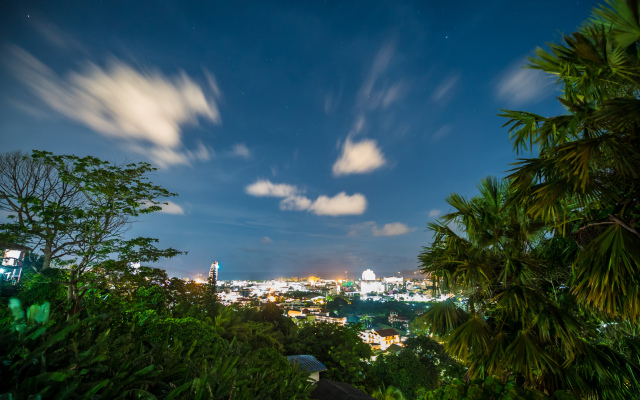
307	363
387	332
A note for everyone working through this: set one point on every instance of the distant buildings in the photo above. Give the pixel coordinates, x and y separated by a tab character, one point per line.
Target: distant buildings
369	283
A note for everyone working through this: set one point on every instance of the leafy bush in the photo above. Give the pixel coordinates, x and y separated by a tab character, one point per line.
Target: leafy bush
78	359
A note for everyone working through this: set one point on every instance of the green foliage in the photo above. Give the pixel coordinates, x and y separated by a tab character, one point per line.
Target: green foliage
77	359
338	347
489	388
390	393
549	258
584	180
405	372
421	365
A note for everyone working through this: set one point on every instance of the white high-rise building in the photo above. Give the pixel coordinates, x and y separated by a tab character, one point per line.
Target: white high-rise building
369	284
368	275
213	271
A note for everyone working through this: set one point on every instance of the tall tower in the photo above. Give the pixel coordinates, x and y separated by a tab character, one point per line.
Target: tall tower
213	272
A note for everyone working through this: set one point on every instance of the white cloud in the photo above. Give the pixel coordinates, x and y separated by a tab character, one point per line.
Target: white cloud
519	85
146	108
359	158
340	204
392	229
240	150
296	203
264	188
266	240
169	208
434	213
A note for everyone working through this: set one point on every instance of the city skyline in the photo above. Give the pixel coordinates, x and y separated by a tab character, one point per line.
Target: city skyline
302	139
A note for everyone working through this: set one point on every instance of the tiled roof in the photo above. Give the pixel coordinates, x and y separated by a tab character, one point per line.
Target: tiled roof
307	363
387	332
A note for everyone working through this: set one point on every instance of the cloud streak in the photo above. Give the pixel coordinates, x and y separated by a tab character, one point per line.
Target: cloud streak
240	150
145	108
390	229
520	85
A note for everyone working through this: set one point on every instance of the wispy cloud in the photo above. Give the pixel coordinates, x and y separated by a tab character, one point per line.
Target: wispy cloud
445	89
293	200
519	85
359	158
145	108
441	132
264	188
266	240
434	213
240	150
376	94
392	229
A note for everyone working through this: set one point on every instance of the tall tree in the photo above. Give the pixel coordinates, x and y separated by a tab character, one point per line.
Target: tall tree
38	201
588	160
78	210
520	316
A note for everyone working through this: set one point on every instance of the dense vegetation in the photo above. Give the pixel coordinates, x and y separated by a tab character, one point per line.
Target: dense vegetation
549	258
83	322
547	262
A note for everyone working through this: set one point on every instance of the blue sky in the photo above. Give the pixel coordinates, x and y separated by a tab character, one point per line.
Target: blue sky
302	137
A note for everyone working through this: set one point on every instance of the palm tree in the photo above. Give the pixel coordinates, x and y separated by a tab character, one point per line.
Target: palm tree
588	160
519	317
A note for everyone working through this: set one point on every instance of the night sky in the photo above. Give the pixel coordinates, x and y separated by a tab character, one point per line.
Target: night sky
303	137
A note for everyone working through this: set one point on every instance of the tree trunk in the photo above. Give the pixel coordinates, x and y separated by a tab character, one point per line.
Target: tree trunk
72	294
46	252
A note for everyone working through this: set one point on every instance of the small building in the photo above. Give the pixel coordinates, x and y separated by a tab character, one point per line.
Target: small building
309	364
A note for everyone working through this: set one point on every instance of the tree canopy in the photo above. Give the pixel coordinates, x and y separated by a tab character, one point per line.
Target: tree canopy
549	258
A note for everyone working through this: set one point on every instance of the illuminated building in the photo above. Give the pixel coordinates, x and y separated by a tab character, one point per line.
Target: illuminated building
213	272
369	283
368	275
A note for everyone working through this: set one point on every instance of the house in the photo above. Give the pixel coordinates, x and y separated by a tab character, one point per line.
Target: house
382	337
332	390
308	363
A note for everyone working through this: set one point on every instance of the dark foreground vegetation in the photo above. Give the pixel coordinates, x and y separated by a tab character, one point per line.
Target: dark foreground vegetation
547	262
549	257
